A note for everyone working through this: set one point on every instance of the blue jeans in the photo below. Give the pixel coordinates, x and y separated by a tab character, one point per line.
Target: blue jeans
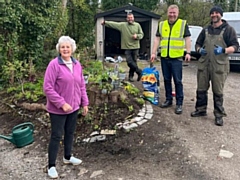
172	68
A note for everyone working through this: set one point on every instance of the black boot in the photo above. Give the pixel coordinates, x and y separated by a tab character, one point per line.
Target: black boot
178	109
139	73
219	121
131	74
166	104
130	79
198	113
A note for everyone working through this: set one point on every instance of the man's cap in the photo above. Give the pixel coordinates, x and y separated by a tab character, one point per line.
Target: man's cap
217	9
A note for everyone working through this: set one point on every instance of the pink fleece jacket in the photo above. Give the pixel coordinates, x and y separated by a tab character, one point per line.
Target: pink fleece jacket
63	86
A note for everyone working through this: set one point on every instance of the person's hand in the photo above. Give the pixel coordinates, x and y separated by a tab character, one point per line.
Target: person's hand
218	50
85	110
134	36
202	51
66	107
103	22
187	57
153	56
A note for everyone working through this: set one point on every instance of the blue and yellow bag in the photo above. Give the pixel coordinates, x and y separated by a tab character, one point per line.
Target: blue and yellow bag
150	82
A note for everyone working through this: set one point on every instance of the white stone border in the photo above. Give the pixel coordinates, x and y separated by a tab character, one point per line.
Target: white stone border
145	114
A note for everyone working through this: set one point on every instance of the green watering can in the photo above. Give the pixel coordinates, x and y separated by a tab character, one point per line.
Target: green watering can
22	135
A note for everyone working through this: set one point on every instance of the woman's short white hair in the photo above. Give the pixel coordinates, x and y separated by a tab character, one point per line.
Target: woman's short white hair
64	39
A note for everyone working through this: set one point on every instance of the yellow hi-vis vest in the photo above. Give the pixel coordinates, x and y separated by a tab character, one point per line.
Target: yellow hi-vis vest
174	41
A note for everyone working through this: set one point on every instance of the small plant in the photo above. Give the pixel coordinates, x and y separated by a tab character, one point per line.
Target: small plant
131	89
85	72
130	108
140	100
93	67
122	73
96	127
17	71
114	77
28	90
106	86
92	79
99	78
88	118
115	81
110	69
121	70
104	77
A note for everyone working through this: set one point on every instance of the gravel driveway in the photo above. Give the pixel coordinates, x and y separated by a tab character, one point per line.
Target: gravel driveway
168	147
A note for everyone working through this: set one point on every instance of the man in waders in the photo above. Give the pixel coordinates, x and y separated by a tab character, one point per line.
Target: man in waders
214	44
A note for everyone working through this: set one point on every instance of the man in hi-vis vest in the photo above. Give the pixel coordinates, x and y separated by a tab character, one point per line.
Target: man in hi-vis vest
173	36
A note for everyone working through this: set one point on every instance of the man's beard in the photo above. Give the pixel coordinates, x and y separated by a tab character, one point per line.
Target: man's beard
130	22
216	21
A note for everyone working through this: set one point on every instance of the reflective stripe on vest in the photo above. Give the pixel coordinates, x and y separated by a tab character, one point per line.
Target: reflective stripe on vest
174	41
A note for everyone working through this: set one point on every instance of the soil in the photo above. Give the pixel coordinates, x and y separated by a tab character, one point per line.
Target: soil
167	147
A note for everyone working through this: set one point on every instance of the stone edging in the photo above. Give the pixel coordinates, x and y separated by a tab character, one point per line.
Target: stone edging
142	117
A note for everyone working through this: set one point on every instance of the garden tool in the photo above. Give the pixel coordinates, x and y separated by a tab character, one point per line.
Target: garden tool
21	135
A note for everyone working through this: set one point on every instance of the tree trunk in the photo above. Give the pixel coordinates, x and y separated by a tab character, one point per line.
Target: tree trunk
236	6
64	3
64	7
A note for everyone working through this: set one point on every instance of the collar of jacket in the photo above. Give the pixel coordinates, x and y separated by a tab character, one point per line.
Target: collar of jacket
60	61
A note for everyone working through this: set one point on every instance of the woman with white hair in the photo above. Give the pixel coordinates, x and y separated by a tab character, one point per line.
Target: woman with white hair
65	91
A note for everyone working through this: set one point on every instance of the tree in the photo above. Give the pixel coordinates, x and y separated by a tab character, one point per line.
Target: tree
81	21
27	24
29	29
195	12
143	4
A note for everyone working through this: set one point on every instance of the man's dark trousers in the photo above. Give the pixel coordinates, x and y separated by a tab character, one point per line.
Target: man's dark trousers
172	68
